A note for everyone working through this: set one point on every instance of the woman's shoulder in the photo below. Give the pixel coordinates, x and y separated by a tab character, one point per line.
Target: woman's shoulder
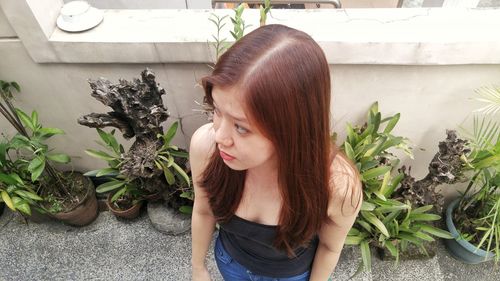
202	143
345	186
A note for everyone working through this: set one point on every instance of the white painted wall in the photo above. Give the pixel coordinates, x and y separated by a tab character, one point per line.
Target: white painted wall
426	76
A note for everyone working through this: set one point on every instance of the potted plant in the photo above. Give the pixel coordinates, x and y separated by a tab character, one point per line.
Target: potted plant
474	217
124	198
67	196
152	164
386	221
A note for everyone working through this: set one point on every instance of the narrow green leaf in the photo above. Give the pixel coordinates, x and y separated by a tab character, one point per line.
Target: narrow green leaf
366	255
60	158
384	187
169	135
392	123
375	172
388	209
181	154
436	231
349	151
354	239
371	218
100	154
392	249
34	118
424	217
182	173
422	209
107	172
36	167
169	176
423	236
25	119
27	194
367	206
118	194
108	186
410	238
8	201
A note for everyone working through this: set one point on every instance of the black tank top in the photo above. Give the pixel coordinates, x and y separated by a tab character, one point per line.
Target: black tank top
251	245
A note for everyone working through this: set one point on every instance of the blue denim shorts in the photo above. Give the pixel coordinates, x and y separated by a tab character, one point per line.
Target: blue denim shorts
231	270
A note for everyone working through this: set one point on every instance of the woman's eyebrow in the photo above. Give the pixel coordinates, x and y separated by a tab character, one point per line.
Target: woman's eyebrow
240	119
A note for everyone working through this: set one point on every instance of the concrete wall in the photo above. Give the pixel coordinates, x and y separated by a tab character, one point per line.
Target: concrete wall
429	80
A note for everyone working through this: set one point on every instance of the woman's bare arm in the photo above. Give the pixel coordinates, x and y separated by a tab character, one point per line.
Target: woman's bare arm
202	220
343	208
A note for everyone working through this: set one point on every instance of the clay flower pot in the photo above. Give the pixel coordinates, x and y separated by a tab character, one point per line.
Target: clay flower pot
130	213
85	212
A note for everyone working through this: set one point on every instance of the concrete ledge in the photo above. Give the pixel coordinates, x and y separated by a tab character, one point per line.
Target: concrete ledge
357	36
431	36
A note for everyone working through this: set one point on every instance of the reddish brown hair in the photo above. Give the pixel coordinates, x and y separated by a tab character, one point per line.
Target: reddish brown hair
284	81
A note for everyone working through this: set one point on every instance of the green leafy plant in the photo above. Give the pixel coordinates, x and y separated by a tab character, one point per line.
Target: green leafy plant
123	188
478	213
220	44
384	221
167	158
16	193
34	158
239	24
264	10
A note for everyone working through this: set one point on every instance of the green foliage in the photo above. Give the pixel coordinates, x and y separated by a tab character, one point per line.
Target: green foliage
120	185
384	221
239	25
478	212
220	45
34	160
167	158
264	10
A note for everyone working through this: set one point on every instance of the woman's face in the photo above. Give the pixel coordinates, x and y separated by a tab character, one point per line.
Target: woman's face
242	146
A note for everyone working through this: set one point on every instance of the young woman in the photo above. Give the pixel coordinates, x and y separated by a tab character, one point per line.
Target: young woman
266	169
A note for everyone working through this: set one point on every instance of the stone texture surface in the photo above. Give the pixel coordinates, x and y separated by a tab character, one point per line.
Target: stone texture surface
115	249
167	220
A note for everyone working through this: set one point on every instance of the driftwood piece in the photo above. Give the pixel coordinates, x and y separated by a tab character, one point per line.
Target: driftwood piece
138	111
445	168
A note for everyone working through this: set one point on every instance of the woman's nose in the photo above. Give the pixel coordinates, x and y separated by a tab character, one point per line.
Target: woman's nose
223	134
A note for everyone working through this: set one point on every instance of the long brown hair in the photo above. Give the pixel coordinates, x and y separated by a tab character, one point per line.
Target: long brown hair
284	81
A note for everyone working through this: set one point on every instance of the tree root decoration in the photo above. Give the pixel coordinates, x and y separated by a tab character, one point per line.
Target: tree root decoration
138	111
445	168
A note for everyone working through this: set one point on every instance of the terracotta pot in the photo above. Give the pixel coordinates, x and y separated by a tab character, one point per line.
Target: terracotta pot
85	212
131	213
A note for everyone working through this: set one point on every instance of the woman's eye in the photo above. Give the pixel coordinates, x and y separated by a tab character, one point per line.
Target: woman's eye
240	129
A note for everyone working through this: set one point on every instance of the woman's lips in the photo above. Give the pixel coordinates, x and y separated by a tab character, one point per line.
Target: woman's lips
226	156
